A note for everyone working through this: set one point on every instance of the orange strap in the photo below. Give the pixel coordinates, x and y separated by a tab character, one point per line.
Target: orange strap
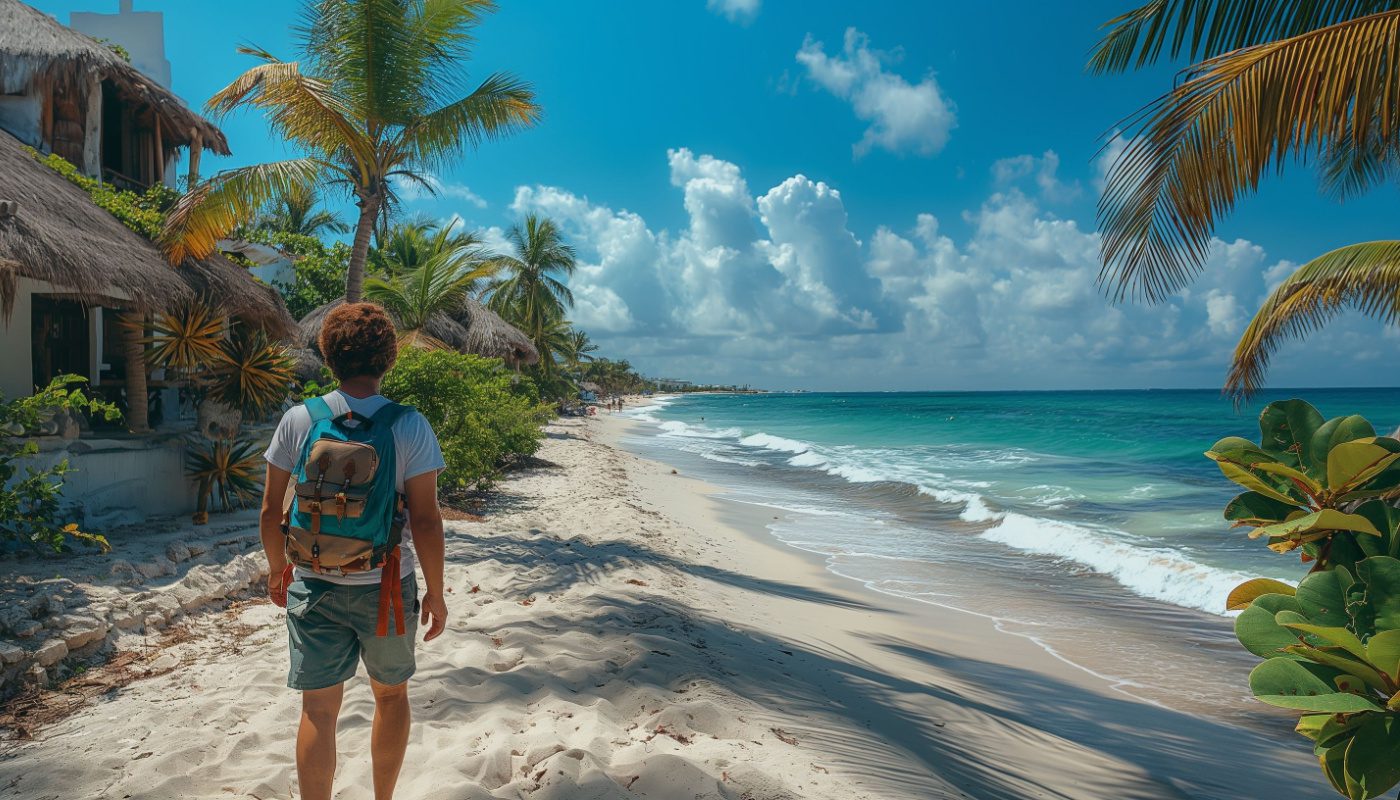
390	595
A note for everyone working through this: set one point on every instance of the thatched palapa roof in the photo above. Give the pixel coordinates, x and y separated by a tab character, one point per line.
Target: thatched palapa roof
474	329
59	235
34	43
489	335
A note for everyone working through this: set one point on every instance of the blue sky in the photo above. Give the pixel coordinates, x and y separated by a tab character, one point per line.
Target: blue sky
828	195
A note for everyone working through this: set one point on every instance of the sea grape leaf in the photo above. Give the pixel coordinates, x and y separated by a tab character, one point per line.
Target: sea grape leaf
1385	518
1333	760
1273	488
1333	636
1289	683
1383	651
1246	593
1359	675
1372	762
1295	477
1253	508
1286	429
1332	433
1260	633
1322	597
1381	577
1351	464
1327	519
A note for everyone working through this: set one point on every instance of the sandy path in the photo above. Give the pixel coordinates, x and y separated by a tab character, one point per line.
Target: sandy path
623	640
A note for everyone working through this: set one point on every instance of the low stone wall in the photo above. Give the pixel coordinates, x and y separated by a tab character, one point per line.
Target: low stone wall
50	624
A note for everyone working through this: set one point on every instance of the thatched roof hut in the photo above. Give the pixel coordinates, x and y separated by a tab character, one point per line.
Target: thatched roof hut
474	329
58	235
35	45
489	335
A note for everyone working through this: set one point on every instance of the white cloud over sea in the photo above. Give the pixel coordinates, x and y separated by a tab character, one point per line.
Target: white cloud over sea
773	287
904	117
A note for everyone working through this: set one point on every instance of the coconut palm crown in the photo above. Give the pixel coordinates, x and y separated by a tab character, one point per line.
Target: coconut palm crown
532	293
378	96
1293	81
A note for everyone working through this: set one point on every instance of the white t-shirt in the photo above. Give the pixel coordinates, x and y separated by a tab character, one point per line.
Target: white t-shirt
416	451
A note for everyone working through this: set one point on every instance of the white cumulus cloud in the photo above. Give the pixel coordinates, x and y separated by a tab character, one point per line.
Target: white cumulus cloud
904	117
735	10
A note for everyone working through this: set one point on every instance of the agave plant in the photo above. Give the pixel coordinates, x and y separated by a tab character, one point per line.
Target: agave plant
1320	487
252	374
1332	650
224	469
186	340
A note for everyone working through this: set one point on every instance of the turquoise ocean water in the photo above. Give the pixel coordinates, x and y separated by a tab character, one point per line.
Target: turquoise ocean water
1058	514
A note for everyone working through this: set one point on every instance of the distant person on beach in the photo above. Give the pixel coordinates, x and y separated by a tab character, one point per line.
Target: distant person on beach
339	610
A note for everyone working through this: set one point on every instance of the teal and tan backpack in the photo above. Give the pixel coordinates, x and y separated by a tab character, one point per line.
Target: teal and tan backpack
343	513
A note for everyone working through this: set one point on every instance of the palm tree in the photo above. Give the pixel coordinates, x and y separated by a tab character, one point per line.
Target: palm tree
294	212
1291	81
580	349
428	270
379	96
533	297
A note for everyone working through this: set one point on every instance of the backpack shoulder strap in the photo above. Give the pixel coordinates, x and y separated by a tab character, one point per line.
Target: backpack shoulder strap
319	409
391	412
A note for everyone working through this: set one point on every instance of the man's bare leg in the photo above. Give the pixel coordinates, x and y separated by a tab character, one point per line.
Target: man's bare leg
389	738
320	708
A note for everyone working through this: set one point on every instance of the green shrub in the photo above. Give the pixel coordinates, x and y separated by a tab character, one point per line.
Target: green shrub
143	213
30	497
319	270
481	416
1327	491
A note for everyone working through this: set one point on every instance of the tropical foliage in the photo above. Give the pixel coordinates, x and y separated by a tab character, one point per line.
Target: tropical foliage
481	415
1331	645
295	213
428	270
143	213
31	498
226	470
217	358
1277	84
378	96
532	292
318	270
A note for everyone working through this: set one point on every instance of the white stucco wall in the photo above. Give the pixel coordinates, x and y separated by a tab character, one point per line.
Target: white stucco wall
142	33
122	481
16	354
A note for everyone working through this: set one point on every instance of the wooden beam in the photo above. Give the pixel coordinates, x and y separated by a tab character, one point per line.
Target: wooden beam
134	354
160	152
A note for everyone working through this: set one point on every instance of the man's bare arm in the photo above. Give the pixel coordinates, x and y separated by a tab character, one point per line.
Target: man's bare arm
270	529
425	519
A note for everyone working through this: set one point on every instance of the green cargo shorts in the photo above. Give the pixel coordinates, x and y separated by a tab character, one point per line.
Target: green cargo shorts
331	627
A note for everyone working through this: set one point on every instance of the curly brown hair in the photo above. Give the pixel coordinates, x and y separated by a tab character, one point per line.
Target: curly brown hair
358	339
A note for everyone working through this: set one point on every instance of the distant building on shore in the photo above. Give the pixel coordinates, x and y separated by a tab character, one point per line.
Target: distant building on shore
673	385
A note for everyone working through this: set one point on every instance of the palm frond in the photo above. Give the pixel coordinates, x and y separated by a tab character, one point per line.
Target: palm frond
253	374
1202	146
1365	277
214	208
501	105
1208	28
304	109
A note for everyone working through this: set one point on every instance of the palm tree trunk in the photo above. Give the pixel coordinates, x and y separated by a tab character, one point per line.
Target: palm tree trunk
359	254
135	356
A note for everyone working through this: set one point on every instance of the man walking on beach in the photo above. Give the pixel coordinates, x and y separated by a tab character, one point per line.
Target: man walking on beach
340	615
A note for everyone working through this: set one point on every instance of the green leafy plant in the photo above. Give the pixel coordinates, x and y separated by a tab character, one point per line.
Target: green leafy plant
475	408
31	498
252	373
143	213
1332	644
225	470
1321	487
318	270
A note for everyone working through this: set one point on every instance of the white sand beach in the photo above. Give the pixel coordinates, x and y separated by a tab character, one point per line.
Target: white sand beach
618	632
